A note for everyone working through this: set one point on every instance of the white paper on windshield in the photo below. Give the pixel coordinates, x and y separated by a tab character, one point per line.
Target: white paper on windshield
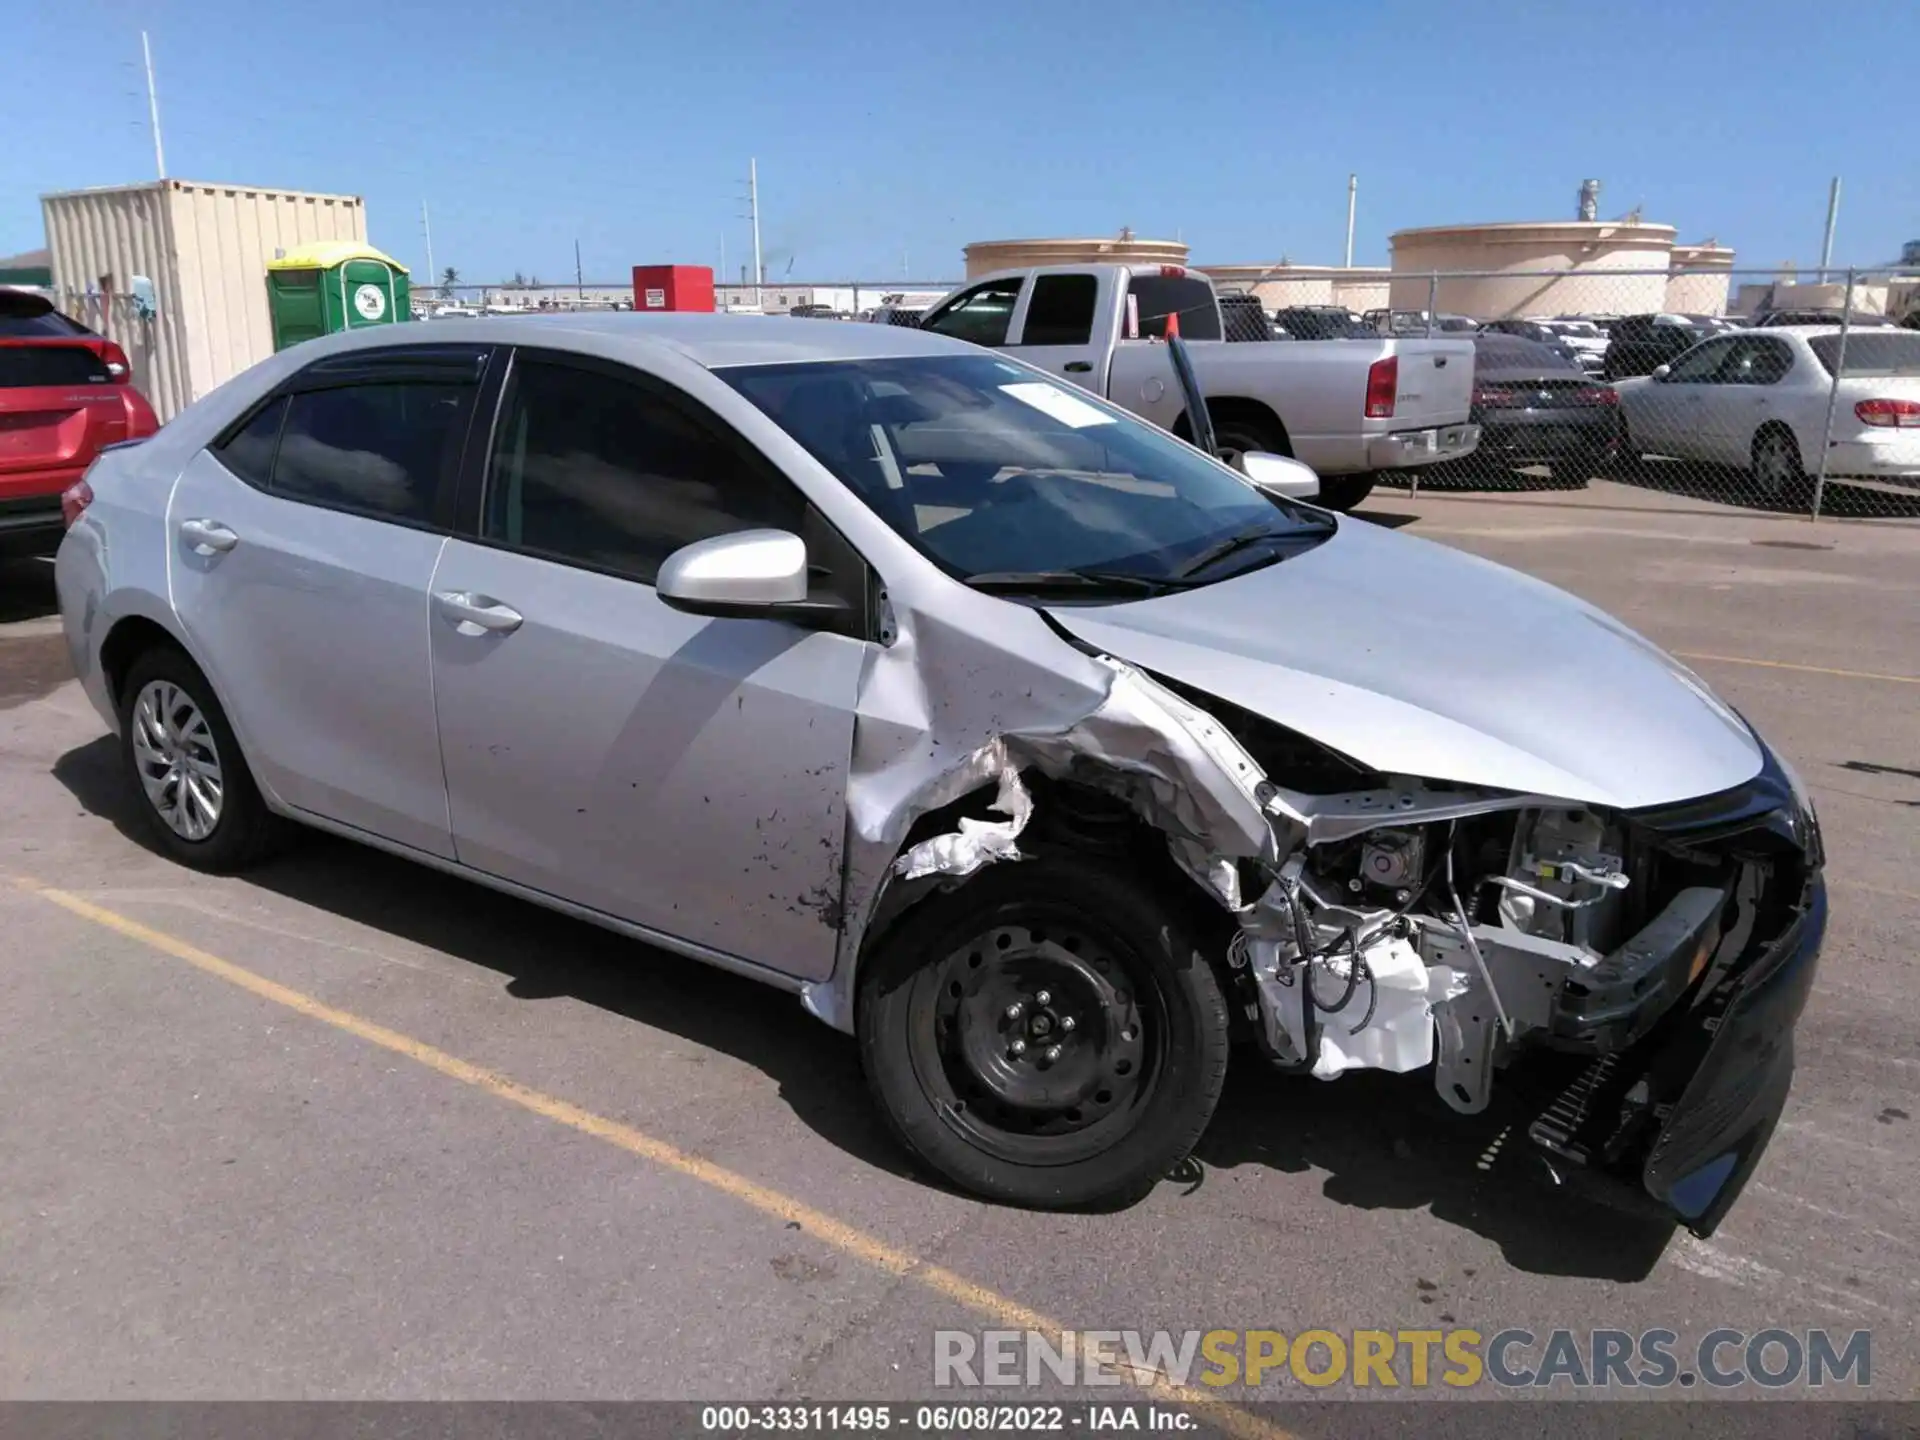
1051	400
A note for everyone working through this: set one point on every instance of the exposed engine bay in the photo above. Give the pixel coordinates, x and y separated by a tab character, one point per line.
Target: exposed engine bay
1454	942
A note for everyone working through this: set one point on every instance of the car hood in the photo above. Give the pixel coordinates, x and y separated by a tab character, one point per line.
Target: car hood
1415	659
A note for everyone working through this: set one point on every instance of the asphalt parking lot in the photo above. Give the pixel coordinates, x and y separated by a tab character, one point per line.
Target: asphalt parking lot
345	1128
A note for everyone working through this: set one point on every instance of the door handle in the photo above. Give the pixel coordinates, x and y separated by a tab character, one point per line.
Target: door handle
477	614
1078	367
207	536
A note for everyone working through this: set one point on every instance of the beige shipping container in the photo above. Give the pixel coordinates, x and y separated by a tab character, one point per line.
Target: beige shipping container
205	249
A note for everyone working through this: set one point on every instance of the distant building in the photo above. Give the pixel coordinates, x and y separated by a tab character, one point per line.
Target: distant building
33	269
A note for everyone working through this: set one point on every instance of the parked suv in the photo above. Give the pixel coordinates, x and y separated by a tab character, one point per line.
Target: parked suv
1243	317
1641	344
65	394
1323	322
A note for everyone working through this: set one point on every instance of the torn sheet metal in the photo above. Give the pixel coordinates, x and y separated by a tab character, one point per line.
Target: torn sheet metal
977	842
960	700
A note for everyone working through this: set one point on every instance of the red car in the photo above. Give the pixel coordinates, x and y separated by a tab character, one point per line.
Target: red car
65	393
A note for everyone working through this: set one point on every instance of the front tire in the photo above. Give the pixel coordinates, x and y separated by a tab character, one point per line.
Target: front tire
196	795
1050	1034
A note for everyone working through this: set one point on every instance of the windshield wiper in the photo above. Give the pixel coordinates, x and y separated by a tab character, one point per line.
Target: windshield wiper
1018	581
1233	544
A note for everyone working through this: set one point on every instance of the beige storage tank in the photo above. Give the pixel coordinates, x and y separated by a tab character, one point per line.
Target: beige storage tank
1600	253
1698	278
205	249
1360	288
986	256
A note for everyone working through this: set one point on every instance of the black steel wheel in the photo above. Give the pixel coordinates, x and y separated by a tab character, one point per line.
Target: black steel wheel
1046	1034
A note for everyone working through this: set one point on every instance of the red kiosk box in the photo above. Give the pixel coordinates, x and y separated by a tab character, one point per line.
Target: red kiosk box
672	287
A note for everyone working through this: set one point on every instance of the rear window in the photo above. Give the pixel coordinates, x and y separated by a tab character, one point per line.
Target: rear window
1158	296
376	449
1881	353
28	365
24	314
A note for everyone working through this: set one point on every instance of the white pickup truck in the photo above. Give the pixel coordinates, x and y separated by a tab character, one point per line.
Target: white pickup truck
1348	408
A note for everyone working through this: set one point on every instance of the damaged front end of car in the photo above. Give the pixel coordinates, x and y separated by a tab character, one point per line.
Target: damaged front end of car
1381	921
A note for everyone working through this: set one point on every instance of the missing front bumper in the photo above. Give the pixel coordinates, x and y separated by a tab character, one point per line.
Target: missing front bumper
1676	1127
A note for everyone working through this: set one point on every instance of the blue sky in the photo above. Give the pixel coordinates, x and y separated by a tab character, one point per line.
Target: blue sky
890	135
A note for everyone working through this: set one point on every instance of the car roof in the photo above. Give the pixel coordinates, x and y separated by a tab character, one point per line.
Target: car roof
711	340
1496	352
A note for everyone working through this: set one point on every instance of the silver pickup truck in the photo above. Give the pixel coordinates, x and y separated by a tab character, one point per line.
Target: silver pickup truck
1348	408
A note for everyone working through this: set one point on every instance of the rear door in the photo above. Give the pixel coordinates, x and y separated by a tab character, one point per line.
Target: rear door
1747	391
58	406
303	542
681	773
1054	328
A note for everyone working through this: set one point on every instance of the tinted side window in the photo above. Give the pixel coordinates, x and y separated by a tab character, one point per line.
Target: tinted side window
981	315
610	473
1061	310
380	449
248	451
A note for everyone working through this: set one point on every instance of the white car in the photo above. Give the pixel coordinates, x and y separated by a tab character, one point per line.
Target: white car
1760	399
1584	337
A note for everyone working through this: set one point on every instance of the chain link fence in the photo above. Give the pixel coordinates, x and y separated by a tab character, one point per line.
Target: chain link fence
883	301
1794	396
1753	389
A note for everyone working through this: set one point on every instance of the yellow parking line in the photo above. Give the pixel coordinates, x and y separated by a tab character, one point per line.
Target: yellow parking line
999	1309
1807	669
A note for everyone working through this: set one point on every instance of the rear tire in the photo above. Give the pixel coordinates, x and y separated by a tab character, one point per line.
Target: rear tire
1237	437
1343	492
1049	1034
197	798
1775	466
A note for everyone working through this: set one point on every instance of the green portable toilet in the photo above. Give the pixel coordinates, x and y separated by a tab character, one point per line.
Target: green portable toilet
334	285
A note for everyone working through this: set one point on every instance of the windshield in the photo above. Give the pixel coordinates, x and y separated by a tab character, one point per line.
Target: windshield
992	469
1895	352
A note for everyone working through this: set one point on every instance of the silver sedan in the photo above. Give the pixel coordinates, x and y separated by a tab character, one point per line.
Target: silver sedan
1036	748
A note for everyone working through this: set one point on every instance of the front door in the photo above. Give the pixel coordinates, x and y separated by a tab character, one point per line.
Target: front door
681	773
302	546
1672	420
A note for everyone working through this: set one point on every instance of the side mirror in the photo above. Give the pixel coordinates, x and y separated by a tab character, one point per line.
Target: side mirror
751	573
1277	475
1660	372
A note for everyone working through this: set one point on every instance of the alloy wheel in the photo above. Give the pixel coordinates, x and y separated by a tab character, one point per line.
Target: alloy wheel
177	759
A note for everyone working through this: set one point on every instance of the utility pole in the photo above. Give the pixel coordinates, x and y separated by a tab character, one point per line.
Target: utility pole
579	278
426	228
153	108
1353	191
1833	221
723	257
753	207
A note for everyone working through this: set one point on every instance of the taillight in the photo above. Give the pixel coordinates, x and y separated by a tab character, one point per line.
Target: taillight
1173	272
74	501
1885	414
1597	395
116	360
1484	395
1383	384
